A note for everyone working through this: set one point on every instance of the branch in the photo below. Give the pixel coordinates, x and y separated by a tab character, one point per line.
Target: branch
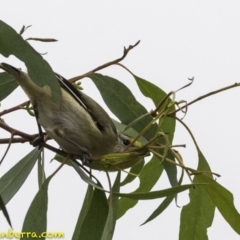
16	132
204	96
15	140
125	52
20	106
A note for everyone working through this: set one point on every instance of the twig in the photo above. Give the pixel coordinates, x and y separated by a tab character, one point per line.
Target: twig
16	132
14	140
125	52
20	106
204	96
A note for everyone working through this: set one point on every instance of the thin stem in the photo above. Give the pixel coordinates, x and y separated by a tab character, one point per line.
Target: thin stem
204	96
125	53
16	132
20	106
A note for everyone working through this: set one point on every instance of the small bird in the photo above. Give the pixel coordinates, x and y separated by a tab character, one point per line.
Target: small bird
77	123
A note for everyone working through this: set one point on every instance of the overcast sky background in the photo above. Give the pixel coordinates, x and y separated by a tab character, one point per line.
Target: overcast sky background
179	40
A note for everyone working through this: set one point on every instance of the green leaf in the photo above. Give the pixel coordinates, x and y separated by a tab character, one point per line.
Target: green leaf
83	212
130	131
5	212
156	94
85	177
155	194
198	214
134	172
41	171
148	178
11	43
95	218
11	181
223	200
122	103
112	213
36	217
7	85
165	203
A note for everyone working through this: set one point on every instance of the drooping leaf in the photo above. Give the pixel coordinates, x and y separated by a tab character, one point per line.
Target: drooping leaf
5	212
133	173
12	181
83	212
148	178
223	200
155	194
112	213
95	219
168	124
12	43
164	204
122	103
85	177
7	85
197	215
35	221
156	94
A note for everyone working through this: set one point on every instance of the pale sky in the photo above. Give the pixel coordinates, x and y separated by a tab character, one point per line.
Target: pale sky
179	40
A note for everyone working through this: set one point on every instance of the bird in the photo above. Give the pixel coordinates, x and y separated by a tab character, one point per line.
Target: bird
77	123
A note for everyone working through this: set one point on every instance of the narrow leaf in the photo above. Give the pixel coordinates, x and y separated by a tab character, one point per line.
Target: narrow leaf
95	219
156	94
112	213
7	85
12	181
83	212
223	200
155	194
165	203
148	178
5	212
85	177
36	217
134	172
122	103
198	214
38	69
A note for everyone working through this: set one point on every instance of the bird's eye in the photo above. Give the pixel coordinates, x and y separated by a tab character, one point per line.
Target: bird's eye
126	142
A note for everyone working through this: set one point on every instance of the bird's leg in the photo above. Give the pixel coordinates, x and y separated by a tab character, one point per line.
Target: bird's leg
39	139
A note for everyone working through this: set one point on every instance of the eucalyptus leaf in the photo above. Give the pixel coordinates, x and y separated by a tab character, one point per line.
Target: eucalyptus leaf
168	124
122	103
35	221
7	85
5	212
85	177
148	178
95	218
164	204
83	212
155	194
12	43
223	200
112	213
197	215
12	180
